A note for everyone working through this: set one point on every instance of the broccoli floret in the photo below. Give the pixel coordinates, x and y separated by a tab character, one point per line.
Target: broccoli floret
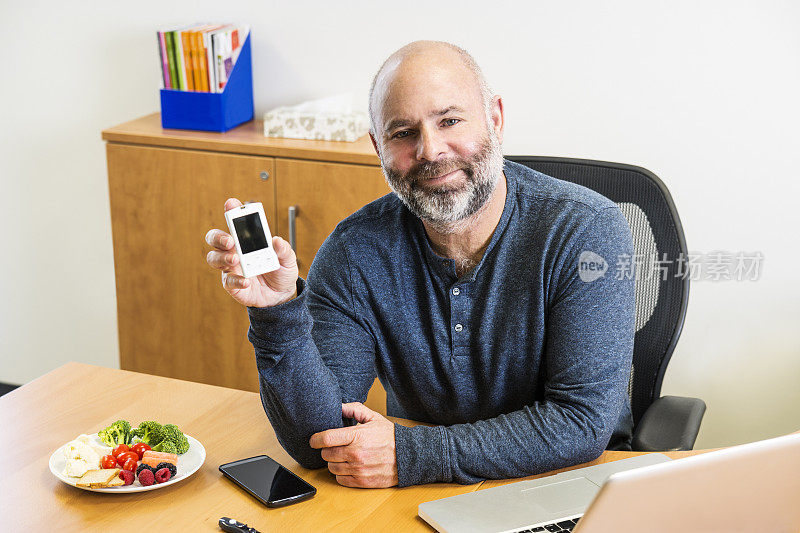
166	446
167	438
172	433
182	445
106	436
149	432
117	433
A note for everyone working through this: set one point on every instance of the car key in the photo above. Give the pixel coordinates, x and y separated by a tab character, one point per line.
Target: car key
233	526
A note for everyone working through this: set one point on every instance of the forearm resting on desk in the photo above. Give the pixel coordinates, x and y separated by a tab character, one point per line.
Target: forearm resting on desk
538	438
299	393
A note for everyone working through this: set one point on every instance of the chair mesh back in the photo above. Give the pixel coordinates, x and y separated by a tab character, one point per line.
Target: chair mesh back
659	245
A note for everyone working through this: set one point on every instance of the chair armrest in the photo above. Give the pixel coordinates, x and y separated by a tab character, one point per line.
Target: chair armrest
670	423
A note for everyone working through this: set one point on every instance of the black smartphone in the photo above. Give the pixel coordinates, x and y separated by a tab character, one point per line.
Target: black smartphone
268	481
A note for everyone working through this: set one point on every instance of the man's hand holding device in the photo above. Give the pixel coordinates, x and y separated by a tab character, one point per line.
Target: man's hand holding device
266	289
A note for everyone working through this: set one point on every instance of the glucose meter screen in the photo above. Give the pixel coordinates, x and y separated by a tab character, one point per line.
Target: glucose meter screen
250	233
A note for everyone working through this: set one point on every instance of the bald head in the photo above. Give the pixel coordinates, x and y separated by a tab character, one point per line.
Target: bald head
419	63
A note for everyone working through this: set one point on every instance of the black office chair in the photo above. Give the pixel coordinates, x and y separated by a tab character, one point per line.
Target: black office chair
660	423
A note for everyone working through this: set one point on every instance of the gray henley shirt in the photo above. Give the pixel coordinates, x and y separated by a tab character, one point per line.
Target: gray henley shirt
522	364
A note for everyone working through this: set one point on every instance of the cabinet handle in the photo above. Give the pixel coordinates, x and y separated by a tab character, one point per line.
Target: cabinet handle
264	175
293	227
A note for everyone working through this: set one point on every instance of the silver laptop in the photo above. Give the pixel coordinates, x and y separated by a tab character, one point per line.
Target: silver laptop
754	487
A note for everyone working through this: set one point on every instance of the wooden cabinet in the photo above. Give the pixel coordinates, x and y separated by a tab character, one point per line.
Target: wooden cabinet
167	189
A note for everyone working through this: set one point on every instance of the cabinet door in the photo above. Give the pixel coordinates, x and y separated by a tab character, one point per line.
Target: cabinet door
175	319
323	194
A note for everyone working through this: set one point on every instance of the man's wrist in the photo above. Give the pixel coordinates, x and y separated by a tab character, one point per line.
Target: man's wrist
282	324
291	296
299	290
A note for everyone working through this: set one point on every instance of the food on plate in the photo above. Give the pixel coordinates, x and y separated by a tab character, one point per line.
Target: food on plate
155	461
111	458
173	470
108	461
152	461
126	476
97	479
117	433
153	458
139	448
80	458
166	446
121	458
144	466
170	456
120	449
147	477
162	475
92	442
167	438
149	432
130	464
176	436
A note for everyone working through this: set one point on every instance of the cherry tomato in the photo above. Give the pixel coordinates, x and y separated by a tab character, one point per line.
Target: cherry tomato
121	458
130	464
108	461
139	448
121	448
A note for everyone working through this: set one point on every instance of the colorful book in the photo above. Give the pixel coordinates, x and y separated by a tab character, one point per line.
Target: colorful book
162	52
227	43
203	48
199	57
173	69
215	38
186	53
180	62
198	86
209	60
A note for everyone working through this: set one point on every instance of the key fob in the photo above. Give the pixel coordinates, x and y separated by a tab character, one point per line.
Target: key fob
233	526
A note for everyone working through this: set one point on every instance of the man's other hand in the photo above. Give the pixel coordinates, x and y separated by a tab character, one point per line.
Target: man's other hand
362	455
266	290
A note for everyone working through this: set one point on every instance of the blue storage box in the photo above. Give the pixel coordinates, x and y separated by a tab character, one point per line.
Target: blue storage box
189	110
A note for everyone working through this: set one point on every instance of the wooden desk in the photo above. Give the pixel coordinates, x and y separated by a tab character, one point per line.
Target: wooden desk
39	417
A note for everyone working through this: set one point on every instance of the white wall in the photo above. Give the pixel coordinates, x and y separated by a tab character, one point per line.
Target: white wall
703	94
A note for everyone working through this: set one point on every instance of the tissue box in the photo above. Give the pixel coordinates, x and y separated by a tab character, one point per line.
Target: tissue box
315	120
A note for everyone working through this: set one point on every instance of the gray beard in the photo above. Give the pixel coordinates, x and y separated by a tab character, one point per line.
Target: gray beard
446	209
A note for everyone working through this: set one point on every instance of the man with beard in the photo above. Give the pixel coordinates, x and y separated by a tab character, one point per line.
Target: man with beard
461	291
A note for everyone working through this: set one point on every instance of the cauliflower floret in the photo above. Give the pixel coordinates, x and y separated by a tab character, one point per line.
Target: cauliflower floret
81	458
95	444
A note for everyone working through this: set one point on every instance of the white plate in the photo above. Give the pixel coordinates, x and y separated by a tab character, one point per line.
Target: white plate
188	464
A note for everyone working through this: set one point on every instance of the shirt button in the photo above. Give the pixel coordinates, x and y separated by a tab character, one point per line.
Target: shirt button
456	291
459	327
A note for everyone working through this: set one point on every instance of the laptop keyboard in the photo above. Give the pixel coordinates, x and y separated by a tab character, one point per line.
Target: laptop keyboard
562	525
